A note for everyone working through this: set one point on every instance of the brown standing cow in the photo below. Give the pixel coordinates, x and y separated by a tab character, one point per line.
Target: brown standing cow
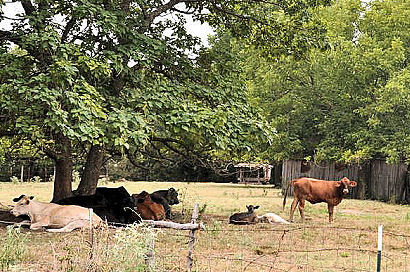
315	191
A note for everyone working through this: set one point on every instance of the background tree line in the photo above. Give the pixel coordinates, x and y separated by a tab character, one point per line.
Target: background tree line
83	82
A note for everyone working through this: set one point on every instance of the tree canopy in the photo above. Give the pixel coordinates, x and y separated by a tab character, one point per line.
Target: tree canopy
82	79
348	101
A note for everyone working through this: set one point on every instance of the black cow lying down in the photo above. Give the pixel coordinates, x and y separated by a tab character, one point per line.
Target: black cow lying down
111	204
166	198
245	218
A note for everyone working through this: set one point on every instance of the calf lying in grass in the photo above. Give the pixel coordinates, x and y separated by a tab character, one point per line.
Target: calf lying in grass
272	218
245	218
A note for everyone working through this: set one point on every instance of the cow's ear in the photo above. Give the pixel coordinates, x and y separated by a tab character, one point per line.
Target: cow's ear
338	183
31	197
18	198
256	207
352	183
344	179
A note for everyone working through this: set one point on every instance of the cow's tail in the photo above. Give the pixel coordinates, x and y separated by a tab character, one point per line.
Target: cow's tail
286	193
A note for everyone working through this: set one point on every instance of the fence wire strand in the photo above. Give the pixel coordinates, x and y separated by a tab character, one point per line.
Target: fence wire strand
279	248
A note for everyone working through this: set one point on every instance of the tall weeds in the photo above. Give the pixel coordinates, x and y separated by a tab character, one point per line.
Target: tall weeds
13	248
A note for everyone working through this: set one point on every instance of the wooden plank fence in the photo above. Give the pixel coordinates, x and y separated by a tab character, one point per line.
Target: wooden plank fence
376	179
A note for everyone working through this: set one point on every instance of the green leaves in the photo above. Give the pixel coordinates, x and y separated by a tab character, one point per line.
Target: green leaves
339	104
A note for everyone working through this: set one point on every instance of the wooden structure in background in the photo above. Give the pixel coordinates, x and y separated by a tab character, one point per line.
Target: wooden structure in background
376	179
259	173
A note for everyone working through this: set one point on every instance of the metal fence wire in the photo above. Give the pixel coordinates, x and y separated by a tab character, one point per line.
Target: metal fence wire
259	247
265	247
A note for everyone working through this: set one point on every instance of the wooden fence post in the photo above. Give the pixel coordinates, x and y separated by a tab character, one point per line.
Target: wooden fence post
150	256
91	234
192	238
22	173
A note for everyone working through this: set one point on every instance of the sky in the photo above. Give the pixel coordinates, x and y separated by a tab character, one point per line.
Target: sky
194	28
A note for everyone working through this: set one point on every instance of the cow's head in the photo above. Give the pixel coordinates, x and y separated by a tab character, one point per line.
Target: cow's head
142	197
346	183
22	204
252	208
172	196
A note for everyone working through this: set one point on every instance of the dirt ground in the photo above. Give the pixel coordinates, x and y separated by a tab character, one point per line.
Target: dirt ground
348	244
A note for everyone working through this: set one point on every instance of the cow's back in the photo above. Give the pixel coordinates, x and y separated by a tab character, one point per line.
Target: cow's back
61	215
315	190
242	218
111	204
147	208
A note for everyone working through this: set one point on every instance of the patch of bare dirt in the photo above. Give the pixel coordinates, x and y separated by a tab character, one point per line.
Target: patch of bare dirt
351	211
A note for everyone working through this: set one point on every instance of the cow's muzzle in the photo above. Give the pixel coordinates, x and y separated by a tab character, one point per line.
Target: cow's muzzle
345	191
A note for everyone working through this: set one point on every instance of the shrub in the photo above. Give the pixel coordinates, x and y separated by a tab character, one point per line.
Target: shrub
131	246
36	179
14	179
13	248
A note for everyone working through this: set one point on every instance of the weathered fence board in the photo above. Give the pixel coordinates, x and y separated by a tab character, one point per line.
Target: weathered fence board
377	180
293	169
387	181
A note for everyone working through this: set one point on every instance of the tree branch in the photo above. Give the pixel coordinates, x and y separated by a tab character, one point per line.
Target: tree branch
162	9
233	14
67	29
28	7
9	36
50	153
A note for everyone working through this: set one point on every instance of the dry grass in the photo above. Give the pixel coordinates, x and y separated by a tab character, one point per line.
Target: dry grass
349	244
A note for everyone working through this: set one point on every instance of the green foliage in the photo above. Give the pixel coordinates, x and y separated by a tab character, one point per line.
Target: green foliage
14	179
35	179
131	246
13	248
346	103
113	74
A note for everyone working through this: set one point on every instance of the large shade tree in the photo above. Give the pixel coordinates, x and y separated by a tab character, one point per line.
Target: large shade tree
83	78
347	102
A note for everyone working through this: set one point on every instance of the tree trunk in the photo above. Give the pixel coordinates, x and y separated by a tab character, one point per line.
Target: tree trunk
92	171
63	168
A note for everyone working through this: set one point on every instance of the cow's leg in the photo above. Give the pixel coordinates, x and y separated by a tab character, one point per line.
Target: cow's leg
330	208
23	223
302	209
71	226
40	224
293	208
167	209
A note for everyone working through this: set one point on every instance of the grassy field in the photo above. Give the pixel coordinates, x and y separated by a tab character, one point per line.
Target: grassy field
348	244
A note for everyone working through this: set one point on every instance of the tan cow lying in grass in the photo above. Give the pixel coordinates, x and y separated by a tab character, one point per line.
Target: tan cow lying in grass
54	217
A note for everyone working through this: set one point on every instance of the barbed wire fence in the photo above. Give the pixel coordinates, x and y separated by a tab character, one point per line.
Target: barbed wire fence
310	249
264	247
259	247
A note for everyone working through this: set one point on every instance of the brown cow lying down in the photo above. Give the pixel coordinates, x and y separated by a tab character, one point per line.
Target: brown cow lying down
148	209
315	191
166	198
245	218
54	217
